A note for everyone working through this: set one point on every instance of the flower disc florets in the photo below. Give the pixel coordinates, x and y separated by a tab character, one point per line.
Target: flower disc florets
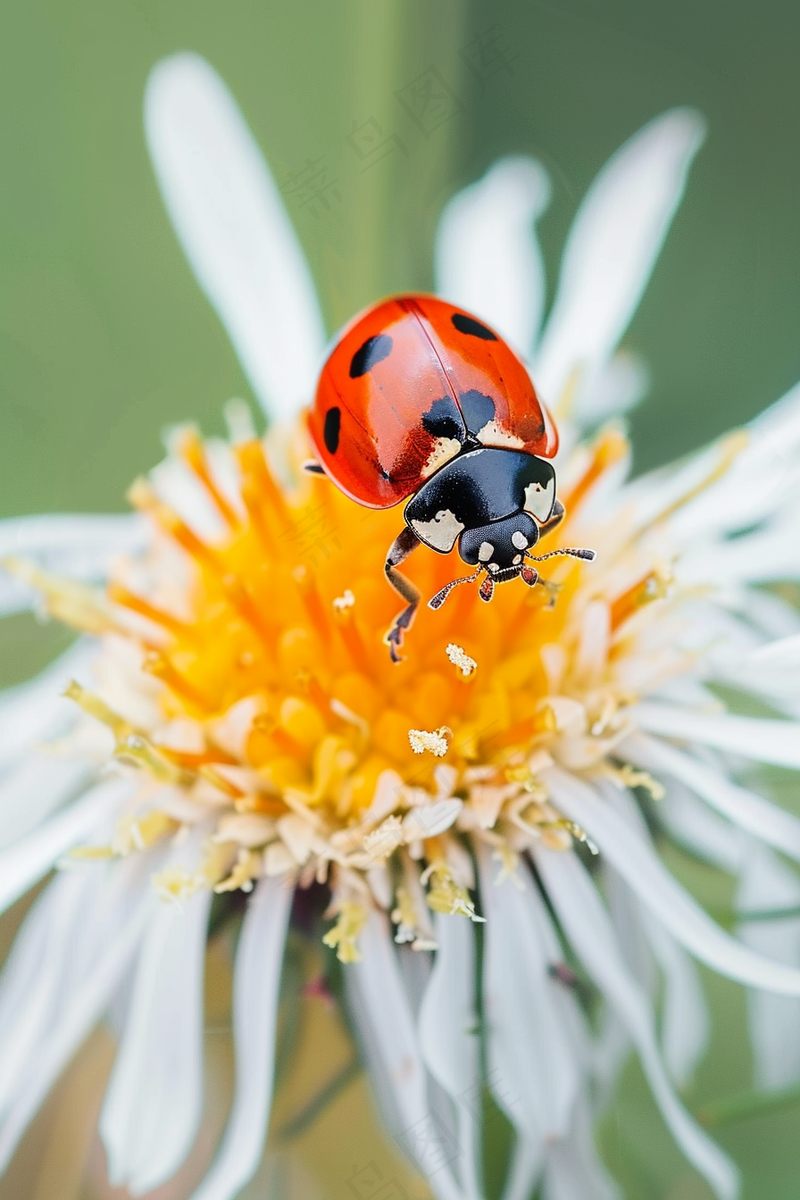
243	675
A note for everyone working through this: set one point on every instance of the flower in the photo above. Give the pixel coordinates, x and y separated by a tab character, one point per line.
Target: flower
235	726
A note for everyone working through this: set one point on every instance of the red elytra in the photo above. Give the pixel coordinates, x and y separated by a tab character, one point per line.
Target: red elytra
394	362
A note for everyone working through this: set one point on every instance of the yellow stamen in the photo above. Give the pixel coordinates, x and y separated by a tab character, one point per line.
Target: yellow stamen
176	884
73	603
654	585
141	832
436	742
343	938
246	869
630	776
445	895
610	448
459	658
192	451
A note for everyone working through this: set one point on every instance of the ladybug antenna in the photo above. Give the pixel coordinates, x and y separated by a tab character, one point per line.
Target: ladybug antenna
440	597
589	555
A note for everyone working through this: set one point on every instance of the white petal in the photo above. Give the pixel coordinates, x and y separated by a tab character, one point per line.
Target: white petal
153	1104
768	554
684	1013
533	1052
429	820
34	789
767	821
78	1009
26	861
656	888
697	827
774	1021
616	385
685	1022
783	654
256	992
36	710
449	1039
613	245
487	256
231	222
766	741
586	924
79	547
756	483
385	1025
573	1168
32	982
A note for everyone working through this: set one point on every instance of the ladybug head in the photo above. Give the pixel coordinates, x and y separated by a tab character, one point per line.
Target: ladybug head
500	546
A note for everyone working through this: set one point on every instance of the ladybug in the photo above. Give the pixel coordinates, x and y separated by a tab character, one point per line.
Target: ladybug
420	401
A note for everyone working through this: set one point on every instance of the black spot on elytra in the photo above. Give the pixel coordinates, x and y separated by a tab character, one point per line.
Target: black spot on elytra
442	420
374	350
478	409
465	324
333	425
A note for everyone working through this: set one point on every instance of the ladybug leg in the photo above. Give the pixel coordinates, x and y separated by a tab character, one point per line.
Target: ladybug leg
313	467
555	518
401	547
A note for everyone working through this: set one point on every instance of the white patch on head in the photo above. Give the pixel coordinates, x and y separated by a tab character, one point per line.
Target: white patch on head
485	551
519	540
493	567
442	450
539	500
499	439
441	532
517	559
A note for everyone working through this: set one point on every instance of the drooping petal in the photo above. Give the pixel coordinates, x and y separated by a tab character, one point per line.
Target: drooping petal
613	245
586	924
767	884
31	983
153	1104
449	1041
685	1021
77	546
766	821
573	1168
684	1013
767	741
78	992
230	220
385	1025
657	889
487	256
256	991
25	862
533	1051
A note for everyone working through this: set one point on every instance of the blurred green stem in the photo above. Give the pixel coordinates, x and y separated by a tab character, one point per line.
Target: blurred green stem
325	1096
746	1104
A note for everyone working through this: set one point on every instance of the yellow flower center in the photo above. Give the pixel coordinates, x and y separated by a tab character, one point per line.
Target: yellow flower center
276	713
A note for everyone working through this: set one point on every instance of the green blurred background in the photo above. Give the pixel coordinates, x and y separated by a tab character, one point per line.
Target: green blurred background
105	338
